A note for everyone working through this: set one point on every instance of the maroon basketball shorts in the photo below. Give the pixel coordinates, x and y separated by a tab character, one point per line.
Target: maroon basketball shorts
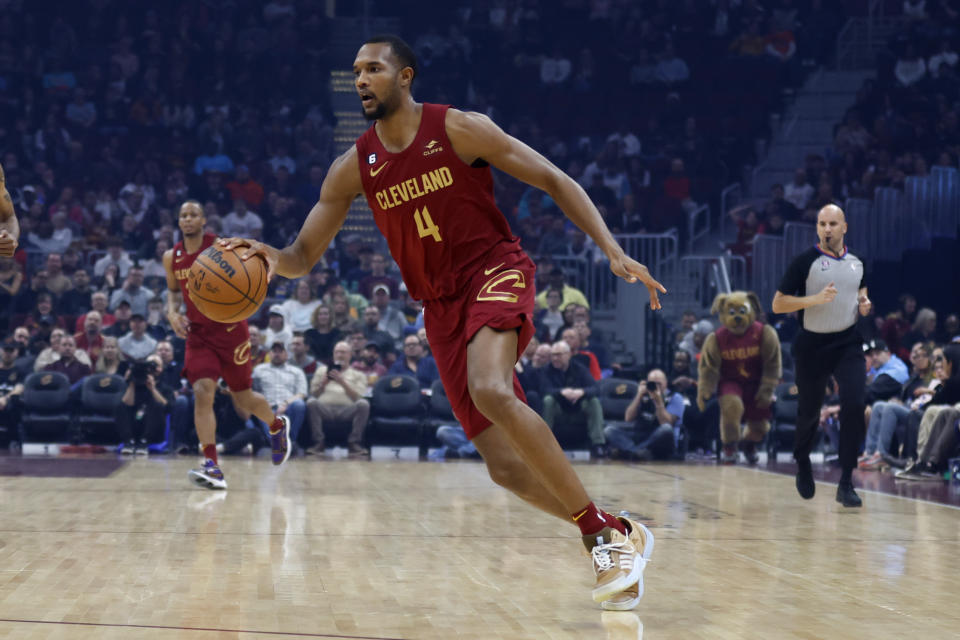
747	391
218	353
500	295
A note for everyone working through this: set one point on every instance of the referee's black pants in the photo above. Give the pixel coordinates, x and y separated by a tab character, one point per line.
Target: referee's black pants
818	356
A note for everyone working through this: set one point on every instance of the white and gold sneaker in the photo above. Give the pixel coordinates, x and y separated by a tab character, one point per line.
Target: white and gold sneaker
616	562
642	540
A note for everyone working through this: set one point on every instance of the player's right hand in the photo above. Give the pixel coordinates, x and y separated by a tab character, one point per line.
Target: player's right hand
254	248
828	294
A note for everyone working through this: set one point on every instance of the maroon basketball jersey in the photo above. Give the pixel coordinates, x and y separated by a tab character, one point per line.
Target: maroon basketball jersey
741	354
437	213
182	261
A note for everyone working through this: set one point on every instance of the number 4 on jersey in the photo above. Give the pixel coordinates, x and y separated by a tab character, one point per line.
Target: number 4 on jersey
425	225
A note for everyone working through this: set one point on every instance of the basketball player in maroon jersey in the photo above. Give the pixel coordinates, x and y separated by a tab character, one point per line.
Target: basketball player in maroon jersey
214	350
425	170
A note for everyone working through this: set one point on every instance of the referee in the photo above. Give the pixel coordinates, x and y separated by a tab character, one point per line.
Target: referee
825	284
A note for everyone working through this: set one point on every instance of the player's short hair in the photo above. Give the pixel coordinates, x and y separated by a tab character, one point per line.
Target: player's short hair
400	49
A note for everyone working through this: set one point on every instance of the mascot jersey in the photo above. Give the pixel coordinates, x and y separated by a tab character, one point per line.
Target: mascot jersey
740	354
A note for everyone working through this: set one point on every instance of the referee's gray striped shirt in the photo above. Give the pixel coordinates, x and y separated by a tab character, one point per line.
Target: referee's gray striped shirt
813	270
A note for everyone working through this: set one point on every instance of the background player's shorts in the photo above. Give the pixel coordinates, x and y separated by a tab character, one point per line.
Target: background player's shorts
501	296
747	393
219	353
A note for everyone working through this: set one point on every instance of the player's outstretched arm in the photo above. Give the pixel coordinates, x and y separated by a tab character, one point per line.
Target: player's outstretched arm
9	225
178	321
339	189
476	136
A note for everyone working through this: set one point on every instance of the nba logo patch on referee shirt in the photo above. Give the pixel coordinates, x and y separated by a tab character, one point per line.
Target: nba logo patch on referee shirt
372	158
824	264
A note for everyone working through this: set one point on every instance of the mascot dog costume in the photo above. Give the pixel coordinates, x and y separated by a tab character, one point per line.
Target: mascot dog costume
741	361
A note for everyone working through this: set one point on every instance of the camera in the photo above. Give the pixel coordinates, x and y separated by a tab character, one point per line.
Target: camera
139	371
651	386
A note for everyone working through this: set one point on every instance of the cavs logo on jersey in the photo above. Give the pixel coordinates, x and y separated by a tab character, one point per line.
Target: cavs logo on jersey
432	147
241	355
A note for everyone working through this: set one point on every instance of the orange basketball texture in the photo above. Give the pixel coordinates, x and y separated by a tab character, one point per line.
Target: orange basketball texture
225	288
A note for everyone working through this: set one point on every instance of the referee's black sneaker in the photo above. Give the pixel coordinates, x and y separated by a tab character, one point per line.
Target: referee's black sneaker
847	496
806	487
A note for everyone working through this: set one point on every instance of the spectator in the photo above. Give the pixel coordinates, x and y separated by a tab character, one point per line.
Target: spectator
300	355
656	413
549	320
322	335
153	268
910	67
924	329
241	222
693	340
245	188
299	310
887	375
137	345
587	358
571	294
98	303
258	353
121	321
370	363
378	275
52	238
68	363
336	394
115	256
887	416
52	352
555	69
570	393
392	320
276	330
414	363
944	62
110	359
284	386
141	415
90	339
373	333
170	369
671	70
11	388
133	292
57	281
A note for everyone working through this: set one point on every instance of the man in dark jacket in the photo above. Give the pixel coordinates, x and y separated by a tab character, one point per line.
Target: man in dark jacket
570	392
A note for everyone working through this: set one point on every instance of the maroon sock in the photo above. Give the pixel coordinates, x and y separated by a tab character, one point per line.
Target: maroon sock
592	520
210	452
276	426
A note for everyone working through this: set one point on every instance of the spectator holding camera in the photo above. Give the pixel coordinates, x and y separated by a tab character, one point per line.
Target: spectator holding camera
141	415
656	414
336	394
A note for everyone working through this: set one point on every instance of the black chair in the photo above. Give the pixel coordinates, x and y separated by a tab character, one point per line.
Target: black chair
616	394
46	407
397	415
100	395
783	426
439	411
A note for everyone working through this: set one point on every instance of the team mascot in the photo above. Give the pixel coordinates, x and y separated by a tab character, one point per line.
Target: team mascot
741	361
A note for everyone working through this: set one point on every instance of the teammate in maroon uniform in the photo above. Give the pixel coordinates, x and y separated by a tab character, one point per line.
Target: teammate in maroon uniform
425	172
213	350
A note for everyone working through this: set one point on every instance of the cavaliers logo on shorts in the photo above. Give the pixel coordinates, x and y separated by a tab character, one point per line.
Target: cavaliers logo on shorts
241	355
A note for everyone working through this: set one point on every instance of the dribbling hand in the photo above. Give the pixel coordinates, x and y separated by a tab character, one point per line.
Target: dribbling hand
254	248
631	271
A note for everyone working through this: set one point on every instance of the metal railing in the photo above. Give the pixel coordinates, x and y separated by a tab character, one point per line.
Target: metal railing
698	225
701	278
731	196
658	251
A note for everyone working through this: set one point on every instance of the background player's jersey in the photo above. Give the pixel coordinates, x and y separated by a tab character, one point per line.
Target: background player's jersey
181	263
437	213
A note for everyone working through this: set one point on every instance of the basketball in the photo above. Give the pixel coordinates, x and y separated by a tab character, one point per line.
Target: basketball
225	288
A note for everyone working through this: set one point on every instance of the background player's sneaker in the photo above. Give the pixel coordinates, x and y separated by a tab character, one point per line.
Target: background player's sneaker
280	442
616	562
208	476
642	540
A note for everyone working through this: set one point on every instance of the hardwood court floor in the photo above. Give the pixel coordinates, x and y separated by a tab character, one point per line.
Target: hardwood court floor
346	549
